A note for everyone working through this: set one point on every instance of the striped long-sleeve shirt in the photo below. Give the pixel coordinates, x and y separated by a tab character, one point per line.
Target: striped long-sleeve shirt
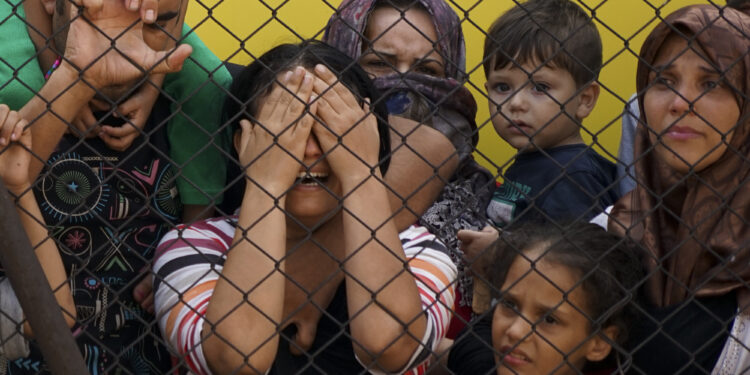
190	259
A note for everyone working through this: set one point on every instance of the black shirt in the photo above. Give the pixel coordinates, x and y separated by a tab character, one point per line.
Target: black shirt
569	182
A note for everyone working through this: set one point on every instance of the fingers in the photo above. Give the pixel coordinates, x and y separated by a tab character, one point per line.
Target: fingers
118	143
288	100
85	123
291	92
171	61
149	10
339	96
5	127
300	99
305	125
143	293
467	235
11	127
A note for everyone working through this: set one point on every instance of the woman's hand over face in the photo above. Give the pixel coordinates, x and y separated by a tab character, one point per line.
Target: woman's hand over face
15	154
356	154
273	148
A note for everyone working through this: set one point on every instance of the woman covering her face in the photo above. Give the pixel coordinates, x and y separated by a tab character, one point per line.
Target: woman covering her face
416	52
691	208
312	275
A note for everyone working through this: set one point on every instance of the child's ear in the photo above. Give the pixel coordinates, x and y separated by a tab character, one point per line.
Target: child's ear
49	6
237	140
599	346
588	97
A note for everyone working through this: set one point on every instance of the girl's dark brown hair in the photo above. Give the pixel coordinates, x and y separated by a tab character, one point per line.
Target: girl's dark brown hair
609	267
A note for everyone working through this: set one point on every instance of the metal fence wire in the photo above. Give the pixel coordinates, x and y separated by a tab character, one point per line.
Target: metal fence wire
328	207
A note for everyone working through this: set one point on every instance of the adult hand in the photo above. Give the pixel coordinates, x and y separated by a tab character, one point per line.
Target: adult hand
90	45
344	118
148	9
273	148
15	155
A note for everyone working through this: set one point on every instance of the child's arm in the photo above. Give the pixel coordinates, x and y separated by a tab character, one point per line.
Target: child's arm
14	171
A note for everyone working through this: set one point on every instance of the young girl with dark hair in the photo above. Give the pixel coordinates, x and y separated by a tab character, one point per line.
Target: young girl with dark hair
312	275
563	299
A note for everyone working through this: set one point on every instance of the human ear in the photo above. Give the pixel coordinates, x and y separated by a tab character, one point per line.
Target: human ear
237	140
587	100
599	346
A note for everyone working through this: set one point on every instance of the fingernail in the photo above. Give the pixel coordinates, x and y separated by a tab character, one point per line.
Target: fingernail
312	98
287	76
150	15
308	78
133	5
320	68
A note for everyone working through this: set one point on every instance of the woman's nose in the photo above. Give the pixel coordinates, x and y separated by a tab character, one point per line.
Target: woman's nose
682	101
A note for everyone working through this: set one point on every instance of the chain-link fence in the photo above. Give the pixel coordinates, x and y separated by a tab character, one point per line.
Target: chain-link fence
342	207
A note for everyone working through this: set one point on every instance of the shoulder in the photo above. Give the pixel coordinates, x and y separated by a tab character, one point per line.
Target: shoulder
210	237
426	253
583	159
418	237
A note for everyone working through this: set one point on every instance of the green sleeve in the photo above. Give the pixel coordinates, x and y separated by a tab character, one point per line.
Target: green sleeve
197	140
20	75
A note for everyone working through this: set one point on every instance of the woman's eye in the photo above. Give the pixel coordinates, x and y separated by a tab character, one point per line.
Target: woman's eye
376	63
426	70
663	81
710	85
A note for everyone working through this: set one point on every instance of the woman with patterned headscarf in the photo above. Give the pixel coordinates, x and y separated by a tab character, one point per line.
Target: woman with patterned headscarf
691	207
416	52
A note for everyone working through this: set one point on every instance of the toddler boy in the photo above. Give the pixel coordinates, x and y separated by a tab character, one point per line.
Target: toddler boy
541	60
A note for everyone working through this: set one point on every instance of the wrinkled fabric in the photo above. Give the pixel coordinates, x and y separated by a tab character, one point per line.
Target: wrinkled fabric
694	226
443	104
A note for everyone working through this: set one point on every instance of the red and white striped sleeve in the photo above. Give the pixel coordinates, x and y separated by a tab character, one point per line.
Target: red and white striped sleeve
188	263
435	275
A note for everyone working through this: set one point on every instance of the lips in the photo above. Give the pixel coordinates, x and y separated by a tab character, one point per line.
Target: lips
520	127
514	357
677	132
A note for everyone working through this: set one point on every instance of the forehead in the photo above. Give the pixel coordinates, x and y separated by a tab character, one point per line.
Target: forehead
543	281
414	23
676	47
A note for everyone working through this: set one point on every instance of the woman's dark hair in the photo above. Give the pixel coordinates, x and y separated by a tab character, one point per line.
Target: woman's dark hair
609	267
257	79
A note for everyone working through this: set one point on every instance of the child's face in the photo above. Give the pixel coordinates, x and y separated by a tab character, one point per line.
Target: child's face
536	329
526	112
688	137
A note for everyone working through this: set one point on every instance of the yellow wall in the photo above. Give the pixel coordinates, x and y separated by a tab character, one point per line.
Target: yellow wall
240	29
